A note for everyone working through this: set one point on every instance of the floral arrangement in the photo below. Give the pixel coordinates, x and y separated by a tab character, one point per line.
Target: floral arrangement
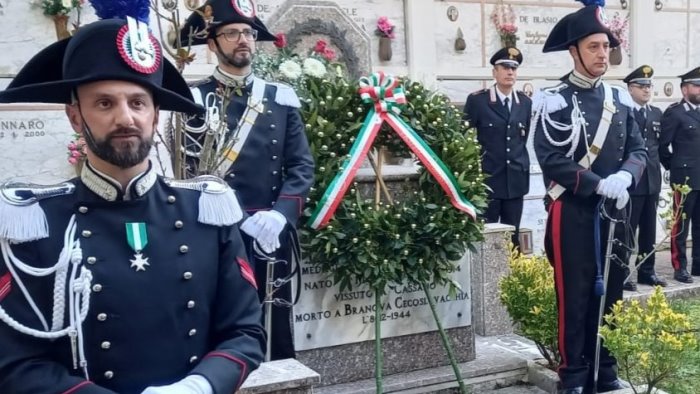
619	27
59	7
503	19
291	68
77	150
384	28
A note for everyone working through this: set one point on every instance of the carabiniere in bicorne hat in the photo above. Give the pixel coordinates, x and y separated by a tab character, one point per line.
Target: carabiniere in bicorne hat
573	27
202	23
641	76
118	48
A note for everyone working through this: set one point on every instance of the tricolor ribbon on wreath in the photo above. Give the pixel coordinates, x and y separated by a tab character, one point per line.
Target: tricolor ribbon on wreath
388	97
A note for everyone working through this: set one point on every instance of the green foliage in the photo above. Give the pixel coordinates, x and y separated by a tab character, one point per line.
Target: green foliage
415	240
687	377
650	342
673	212
528	294
59	7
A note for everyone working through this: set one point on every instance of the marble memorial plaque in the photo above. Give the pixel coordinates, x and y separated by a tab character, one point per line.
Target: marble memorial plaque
34	144
325	316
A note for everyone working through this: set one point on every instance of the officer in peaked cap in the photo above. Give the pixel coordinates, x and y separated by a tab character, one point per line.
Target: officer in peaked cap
116	281
590	149
501	116
679	126
270	165
645	196
508	57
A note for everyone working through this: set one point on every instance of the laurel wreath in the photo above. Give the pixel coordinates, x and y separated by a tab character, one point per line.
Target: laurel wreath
418	238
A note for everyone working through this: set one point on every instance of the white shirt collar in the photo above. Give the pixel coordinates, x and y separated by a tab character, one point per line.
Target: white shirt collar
502	96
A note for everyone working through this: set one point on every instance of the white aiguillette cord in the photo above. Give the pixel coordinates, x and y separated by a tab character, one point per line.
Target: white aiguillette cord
78	297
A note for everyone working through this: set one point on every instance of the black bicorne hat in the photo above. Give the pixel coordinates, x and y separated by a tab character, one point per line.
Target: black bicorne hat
508	56
109	49
202	23
692	76
576	26
641	76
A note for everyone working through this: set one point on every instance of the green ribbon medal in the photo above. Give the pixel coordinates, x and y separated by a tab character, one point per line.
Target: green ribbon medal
137	237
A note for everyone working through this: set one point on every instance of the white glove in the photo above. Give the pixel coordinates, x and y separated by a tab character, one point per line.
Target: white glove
615	185
192	384
251	227
265	227
622	201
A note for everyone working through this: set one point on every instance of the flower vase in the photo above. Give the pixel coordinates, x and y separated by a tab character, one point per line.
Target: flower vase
384	49
508	40
60	22
616	56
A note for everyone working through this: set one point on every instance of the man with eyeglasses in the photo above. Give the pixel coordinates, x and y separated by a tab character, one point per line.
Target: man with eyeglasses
680	127
645	196
501	116
270	164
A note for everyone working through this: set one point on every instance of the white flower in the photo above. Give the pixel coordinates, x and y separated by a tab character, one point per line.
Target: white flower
290	69
314	68
67	3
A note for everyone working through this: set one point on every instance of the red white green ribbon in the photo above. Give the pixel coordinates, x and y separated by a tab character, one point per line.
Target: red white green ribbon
387	95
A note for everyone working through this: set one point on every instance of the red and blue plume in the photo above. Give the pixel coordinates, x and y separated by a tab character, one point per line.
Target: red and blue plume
600	3
107	9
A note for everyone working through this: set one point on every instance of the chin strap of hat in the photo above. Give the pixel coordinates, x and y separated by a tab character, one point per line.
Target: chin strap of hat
580	59
87	133
230	60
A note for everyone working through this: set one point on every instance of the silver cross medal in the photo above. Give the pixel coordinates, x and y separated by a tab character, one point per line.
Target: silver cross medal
137	237
139	262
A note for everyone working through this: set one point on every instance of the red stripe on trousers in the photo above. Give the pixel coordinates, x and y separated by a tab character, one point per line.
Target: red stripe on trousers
77	387
674	233
555	211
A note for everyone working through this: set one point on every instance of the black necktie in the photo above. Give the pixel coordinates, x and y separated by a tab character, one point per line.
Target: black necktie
643	111
505	104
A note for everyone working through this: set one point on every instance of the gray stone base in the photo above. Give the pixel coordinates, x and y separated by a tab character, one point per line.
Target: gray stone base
547	380
281	377
489	266
355	361
493	368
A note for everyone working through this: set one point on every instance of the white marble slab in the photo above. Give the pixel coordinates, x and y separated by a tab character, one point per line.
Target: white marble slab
34	145
324	316
671	32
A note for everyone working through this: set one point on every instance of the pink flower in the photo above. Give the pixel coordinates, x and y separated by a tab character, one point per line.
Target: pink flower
72	160
320	46
281	40
76	154
509	28
384	27
328	54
